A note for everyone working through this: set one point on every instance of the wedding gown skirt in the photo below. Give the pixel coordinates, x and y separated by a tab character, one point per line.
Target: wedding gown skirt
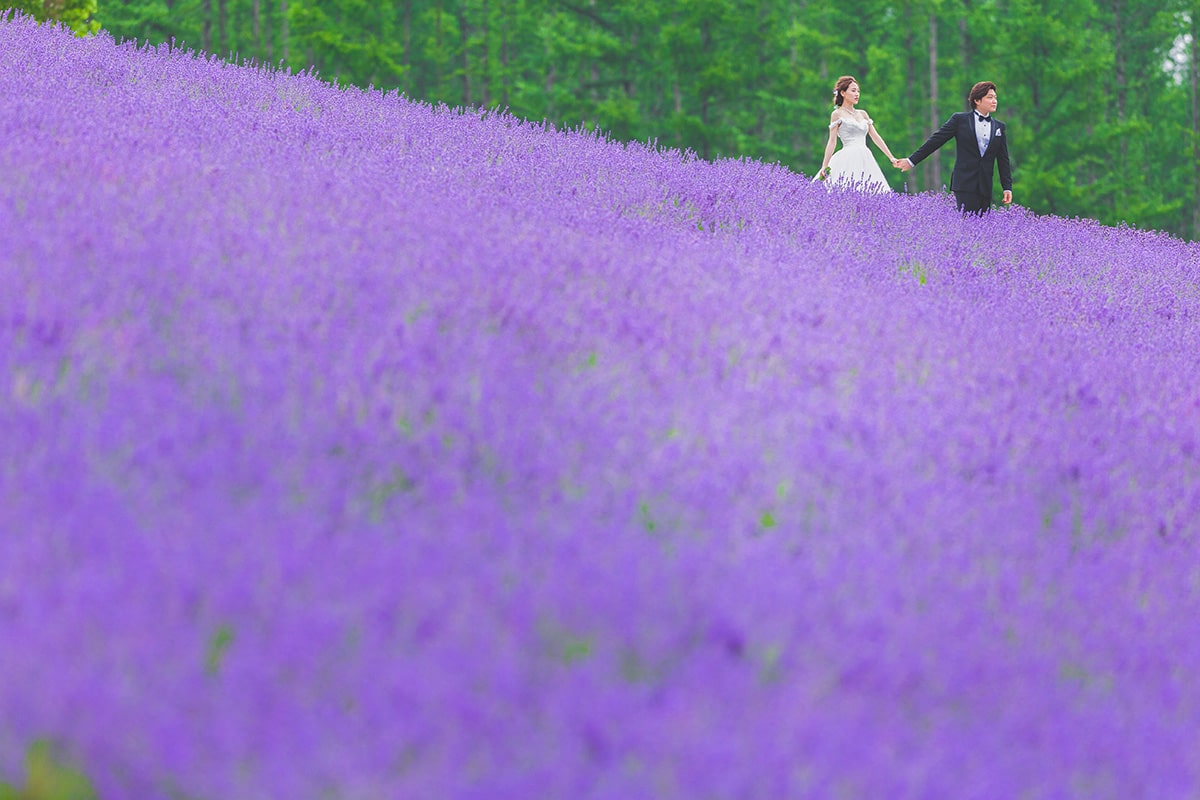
854	164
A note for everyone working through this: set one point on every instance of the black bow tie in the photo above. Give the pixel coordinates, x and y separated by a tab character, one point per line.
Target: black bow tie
981	117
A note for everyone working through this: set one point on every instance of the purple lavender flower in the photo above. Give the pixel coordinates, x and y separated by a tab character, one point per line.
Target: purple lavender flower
354	447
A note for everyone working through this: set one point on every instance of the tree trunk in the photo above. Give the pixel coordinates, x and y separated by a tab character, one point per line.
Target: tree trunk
1195	26
678	110
484	100
631	82
964	44
283	30
256	28
935	161
223	27
793	58
409	81
437	67
1119	54
593	73
465	32
206	27
705	91
761	72
909	77
504	59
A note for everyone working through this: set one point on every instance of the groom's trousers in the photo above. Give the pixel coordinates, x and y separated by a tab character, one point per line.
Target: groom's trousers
972	203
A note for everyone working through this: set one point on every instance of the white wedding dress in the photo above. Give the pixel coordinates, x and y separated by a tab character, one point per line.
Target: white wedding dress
854	164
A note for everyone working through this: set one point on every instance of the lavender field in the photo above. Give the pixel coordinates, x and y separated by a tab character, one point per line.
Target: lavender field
353	448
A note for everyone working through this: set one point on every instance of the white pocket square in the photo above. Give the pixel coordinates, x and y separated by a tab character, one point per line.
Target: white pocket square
999	134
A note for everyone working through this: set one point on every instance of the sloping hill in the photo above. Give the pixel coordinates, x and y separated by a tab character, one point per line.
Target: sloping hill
357	448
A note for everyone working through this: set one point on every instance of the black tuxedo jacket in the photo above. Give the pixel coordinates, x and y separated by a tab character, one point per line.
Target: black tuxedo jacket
972	172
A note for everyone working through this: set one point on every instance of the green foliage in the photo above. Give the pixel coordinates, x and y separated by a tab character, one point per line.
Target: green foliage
48	778
218	646
1090	106
575	649
78	15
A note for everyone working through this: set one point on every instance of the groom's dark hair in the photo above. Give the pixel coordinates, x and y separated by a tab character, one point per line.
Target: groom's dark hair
978	92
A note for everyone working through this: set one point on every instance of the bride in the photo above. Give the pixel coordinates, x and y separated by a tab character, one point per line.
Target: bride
853	165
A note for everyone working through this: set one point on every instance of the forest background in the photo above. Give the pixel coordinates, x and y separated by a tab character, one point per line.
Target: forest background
1100	95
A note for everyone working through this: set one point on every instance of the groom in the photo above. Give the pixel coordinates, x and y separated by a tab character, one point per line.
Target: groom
981	142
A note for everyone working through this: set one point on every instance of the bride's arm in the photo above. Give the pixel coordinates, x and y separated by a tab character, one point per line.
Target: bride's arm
829	146
875	137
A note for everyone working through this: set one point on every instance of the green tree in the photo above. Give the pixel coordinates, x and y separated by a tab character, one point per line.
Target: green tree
1099	127
1131	182
78	15
1051	95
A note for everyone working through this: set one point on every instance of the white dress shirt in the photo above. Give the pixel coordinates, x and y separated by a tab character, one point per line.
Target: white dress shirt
983	131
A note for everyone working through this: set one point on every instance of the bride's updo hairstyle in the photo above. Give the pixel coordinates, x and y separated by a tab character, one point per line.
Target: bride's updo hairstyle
843	83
